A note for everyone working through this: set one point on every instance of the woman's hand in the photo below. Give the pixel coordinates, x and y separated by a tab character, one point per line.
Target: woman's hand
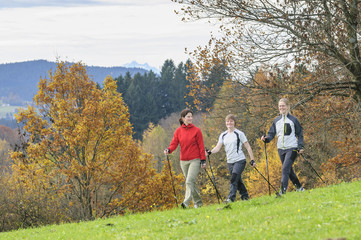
166	151
253	163
203	163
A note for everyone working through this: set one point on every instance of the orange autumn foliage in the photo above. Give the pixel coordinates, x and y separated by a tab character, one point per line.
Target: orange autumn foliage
79	147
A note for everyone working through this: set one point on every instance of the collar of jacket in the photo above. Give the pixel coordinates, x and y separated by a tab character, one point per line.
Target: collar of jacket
288	114
187	126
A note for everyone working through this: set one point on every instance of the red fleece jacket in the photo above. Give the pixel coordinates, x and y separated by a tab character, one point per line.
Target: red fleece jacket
190	139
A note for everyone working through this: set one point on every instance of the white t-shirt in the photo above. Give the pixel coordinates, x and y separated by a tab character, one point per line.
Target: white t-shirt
229	140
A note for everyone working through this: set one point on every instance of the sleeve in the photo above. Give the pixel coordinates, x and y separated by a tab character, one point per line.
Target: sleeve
271	133
199	139
299	134
243	137
220	139
174	143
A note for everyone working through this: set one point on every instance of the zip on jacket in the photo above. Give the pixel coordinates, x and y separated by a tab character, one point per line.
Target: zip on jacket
289	132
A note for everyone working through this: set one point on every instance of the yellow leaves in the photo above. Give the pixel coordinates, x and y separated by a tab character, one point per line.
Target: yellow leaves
257	185
83	135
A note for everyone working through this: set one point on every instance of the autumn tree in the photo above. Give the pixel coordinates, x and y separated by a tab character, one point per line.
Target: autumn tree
79	146
320	34
155	140
307	51
10	135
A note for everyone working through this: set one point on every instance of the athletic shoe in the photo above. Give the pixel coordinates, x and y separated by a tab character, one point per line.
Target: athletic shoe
281	193
184	206
245	198
228	201
197	206
301	189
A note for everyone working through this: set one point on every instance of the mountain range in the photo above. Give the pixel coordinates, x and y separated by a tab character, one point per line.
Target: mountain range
19	80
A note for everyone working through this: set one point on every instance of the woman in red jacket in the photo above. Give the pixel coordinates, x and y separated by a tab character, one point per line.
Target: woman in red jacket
192	155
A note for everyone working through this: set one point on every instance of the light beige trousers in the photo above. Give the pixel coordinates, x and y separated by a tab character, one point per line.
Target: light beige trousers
190	171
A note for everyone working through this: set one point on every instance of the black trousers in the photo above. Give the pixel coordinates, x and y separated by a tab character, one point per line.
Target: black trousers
235	170
288	157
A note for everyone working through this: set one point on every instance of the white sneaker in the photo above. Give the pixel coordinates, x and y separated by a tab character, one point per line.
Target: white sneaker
301	189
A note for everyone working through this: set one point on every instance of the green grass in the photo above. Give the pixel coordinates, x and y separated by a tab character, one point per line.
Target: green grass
324	213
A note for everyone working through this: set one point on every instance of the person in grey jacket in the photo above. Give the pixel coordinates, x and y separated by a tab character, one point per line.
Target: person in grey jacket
289	142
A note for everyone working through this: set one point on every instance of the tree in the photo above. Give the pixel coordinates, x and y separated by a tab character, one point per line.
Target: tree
143	105
166	87
305	50
323	35
79	146
123	83
151	97
9	135
155	139
4	156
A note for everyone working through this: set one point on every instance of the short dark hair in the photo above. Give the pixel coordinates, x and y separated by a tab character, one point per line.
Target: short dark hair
183	113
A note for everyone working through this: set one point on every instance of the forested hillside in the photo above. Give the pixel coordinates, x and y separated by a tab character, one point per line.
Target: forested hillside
19	81
151	98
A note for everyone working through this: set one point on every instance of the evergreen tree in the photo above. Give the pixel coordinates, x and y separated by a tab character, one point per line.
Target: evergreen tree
151	97
179	86
214	81
166	78
140	98
123	83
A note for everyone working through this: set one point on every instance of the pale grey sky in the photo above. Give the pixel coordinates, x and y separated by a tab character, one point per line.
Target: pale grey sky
97	32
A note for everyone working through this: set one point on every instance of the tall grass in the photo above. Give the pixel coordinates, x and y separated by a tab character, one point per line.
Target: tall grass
332	212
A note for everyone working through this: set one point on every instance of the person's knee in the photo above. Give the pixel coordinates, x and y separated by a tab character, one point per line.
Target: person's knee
234	177
190	181
286	168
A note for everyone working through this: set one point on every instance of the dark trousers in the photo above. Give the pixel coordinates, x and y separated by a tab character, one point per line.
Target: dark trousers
235	170
288	157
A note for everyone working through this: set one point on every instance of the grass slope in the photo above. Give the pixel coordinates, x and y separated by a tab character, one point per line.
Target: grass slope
333	212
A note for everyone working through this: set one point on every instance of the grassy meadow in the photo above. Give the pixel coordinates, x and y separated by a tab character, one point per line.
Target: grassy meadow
332	212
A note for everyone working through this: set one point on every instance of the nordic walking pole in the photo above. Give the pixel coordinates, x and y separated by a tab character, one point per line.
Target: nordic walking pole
214	180
171	176
312	168
215	187
269	184
265	150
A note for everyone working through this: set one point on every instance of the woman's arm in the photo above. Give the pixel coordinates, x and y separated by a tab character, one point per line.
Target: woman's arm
216	148
249	149
199	139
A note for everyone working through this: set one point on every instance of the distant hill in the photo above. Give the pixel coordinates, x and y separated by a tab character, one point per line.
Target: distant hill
145	66
20	79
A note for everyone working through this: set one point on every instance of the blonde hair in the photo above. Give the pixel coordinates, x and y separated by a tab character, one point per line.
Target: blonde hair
231	117
287	102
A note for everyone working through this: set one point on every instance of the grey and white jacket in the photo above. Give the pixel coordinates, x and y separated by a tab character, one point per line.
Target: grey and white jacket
289	132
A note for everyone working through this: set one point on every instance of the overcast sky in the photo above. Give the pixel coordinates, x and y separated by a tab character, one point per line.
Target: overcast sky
97	32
